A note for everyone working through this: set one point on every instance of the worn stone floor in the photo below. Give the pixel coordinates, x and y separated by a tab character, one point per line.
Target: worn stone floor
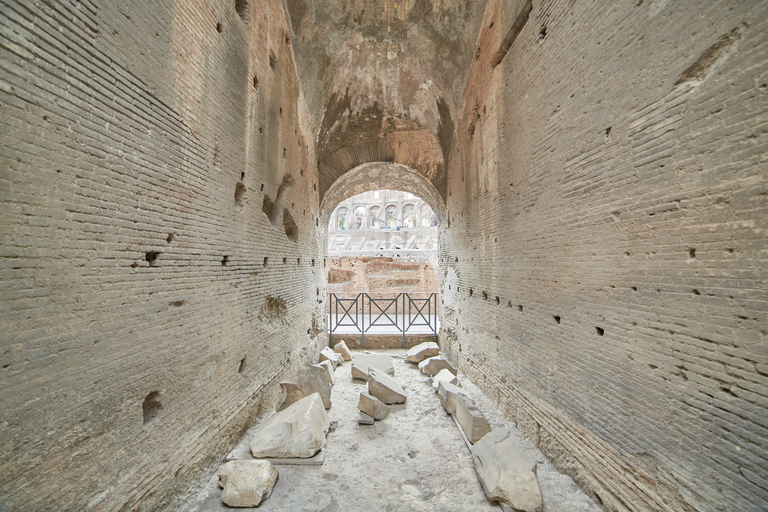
414	460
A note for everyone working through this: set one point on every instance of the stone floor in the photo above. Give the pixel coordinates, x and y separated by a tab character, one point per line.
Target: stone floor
414	460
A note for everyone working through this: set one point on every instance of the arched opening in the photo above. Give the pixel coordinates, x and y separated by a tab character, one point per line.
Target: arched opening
384	257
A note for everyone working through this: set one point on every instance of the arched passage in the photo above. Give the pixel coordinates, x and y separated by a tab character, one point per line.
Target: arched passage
376	176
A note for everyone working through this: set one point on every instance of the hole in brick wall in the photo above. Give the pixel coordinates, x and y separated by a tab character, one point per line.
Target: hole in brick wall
261	129
314	187
471	291
177	303
557	319
317	222
301	172
695	292
491	25
285	152
225	260
498	301
151	407
152	258
262	187
285	260
728	391
634	288
273	63
652	366
729	250
287	39
239	194
266	260
241	367
608	132
317	291
134	265
219	28
255	81
242	176
280	111
542	33
485	296
291	229
692	253
241	6
520	308
600	331
169	239
324	262
298	261
313	263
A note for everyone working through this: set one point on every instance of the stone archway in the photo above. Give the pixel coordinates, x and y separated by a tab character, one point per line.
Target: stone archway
380	175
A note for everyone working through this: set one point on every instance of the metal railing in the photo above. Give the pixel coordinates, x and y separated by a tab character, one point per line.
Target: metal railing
399	314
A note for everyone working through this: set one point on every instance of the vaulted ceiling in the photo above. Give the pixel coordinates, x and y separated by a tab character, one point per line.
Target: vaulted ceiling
383	79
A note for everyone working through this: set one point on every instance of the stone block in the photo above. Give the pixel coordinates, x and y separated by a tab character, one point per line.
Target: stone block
507	471
246	483
292	393
471	420
362	363
373	407
330	355
448	394
314	379
433	365
329	371
364	419
444	375
385	388
422	351
341	349
298	431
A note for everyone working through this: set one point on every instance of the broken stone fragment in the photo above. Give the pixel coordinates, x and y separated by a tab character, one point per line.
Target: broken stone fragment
292	393
364	419
444	375
507	471
314	379
448	394
341	349
384	387
298	431
329	371
471	420
422	351
246	483
364	362
373	407
329	355
433	365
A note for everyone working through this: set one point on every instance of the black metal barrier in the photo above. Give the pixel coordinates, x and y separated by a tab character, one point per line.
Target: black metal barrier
363	314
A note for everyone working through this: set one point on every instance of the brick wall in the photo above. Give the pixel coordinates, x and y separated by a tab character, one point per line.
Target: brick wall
149	303
604	267
381	277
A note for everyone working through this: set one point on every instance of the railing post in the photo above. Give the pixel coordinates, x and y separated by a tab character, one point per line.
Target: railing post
362	319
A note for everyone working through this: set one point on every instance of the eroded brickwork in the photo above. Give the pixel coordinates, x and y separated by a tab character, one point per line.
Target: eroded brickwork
148	302
604	270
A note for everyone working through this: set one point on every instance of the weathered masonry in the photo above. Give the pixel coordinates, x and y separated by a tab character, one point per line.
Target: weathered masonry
598	168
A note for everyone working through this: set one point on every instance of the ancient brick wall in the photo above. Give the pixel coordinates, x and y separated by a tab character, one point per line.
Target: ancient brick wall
605	262
160	269
351	275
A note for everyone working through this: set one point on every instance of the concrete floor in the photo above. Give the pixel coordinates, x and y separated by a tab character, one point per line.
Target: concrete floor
414	460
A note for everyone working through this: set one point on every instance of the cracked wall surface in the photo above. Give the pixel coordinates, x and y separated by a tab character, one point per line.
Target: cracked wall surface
604	270
148	304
